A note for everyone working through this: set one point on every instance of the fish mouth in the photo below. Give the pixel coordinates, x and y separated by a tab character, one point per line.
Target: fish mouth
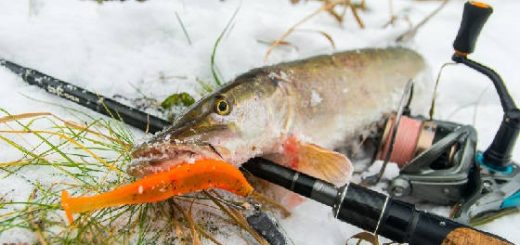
151	159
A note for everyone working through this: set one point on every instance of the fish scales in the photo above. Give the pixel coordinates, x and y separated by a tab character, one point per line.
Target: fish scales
353	87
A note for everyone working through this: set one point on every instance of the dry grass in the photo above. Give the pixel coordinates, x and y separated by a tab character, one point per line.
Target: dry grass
328	6
88	159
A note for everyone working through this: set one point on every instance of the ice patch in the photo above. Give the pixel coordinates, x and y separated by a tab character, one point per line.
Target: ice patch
284	76
315	98
272	75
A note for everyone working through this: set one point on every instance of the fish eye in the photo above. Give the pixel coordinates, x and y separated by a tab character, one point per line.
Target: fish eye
222	107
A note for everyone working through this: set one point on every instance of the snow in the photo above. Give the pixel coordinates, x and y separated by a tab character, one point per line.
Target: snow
129	48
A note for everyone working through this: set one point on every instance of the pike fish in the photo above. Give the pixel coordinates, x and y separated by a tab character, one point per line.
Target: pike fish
295	113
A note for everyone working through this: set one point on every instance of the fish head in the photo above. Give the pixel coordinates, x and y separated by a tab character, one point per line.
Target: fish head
233	124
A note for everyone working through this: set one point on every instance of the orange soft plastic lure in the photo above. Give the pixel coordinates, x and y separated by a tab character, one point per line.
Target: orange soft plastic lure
181	179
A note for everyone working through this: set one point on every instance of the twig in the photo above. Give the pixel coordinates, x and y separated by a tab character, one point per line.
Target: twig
191	222
411	33
279	41
356	15
239	220
391	11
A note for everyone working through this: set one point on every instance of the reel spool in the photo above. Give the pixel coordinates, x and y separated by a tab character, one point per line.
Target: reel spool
391	134
413	136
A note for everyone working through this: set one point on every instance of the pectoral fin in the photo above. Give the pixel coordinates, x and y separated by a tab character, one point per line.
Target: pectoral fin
324	164
314	160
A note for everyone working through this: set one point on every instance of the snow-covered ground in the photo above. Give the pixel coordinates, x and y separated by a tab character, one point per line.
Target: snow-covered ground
125	48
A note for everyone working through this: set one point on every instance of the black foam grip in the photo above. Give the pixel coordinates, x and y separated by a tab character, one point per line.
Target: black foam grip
397	220
473	19
303	185
403	223
362	207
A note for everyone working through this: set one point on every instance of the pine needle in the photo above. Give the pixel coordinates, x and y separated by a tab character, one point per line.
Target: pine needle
188	217
81	146
356	15
23	116
183	28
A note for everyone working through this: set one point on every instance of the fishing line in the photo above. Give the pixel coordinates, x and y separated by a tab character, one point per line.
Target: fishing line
435	88
406	139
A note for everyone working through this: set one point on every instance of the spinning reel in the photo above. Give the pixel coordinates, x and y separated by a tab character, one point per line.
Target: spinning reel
438	160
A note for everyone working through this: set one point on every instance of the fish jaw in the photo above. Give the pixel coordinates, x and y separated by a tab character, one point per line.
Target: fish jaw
167	150
150	158
158	157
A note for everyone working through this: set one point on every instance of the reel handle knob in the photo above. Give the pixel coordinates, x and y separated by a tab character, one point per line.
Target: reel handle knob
474	17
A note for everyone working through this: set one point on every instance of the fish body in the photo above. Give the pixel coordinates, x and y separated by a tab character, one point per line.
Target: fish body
292	112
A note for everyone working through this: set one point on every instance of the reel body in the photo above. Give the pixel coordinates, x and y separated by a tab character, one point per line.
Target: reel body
439	164
437	169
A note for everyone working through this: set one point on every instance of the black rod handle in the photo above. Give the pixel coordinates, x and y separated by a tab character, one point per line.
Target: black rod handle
473	19
373	211
402	222
83	97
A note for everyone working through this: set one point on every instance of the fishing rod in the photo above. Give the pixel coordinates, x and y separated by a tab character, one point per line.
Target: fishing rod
352	203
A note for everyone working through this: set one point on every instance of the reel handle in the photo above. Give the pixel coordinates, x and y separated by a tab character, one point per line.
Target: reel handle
498	154
473	19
